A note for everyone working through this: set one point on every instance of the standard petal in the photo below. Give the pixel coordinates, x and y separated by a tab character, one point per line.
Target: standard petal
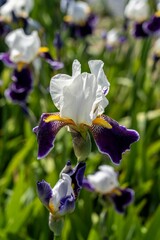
44	191
57	84
113	141
76	68
96	68
122	199
82	92
46	133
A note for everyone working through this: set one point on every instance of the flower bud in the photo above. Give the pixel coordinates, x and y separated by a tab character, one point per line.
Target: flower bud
56	225
81	145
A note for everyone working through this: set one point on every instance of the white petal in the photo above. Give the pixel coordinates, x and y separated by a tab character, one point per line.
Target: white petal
26	45
104	180
79	11
61	189
76	68
78	99
96	68
58	82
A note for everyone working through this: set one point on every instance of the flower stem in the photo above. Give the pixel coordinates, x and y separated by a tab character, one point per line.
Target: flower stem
56	237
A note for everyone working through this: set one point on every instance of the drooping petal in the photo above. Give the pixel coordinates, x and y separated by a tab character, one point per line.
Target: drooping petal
122	199
44	192
46	132
5	58
86	184
53	63
152	27
113	141
77	177
138	31
20	87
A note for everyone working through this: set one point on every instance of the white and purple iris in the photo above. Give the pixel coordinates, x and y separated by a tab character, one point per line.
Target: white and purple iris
23	49
138	12
105	182
79	18
81	100
20	8
60	200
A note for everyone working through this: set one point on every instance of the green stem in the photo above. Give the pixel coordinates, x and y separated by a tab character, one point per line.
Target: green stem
56	237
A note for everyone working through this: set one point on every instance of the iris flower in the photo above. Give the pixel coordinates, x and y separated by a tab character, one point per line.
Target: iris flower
61	199
20	8
138	12
105	182
79	19
23	49
81	100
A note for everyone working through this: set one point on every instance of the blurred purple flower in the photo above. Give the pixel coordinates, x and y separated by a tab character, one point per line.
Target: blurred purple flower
105	182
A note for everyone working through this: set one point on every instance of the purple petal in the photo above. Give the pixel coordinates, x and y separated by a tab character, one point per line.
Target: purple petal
56	65
80	31
46	133
152	26
44	191
20	87
86	184
138	31
67	205
5	58
114	141
58	41
76	174
123	199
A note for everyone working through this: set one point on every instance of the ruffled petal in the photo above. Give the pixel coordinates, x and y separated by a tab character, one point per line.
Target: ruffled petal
122	199
96	68
113	141
58	82
44	191
46	132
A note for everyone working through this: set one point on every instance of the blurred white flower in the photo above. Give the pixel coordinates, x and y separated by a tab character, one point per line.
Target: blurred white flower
112	38
137	10
104	180
23	48
21	8
77	12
